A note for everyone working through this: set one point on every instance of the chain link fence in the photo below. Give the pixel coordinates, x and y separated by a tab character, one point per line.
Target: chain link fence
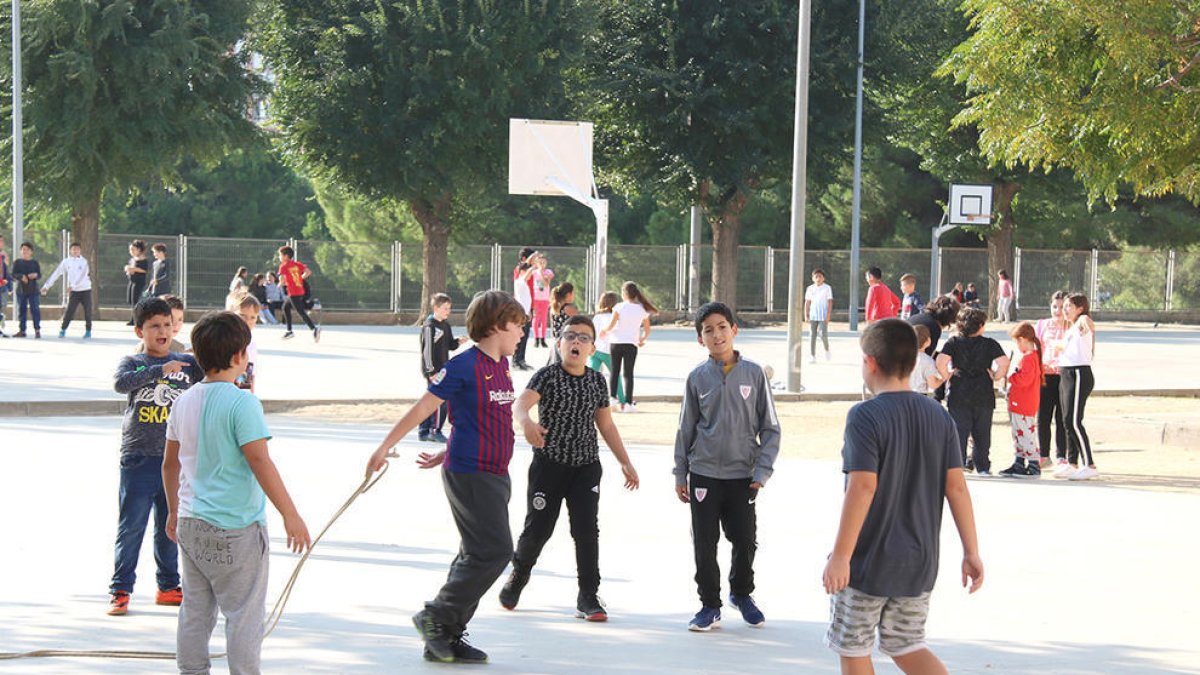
386	276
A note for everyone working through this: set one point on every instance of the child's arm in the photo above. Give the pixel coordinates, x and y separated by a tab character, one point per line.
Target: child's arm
645	332
422	409
272	484
132	375
807	307
860	492
604	423
611	324
534	432
768	435
959	499
170	476
58	271
1001	370
689	416
943	366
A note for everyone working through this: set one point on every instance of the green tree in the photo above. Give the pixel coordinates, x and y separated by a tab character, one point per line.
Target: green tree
408	101
118	92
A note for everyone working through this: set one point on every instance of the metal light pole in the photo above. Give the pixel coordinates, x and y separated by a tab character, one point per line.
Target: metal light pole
796	270
18	173
856	209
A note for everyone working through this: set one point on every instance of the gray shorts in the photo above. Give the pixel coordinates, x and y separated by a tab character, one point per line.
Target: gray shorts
854	618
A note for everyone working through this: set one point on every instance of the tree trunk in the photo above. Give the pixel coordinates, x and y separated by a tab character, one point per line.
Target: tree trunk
1000	245
434	217
725	216
85	231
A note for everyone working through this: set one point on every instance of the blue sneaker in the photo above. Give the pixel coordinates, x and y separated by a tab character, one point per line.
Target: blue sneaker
438	437
706	619
87	335
62	333
750	611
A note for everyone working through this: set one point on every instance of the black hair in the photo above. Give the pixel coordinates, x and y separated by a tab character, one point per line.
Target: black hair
139	245
893	345
149	308
970	320
526	252
581	320
944	309
217	337
288	251
708	309
27	245
876	272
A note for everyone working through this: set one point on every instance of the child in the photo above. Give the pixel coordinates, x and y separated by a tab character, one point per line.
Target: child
1004	297
901	461
160	271
912	303
1024	396
238	282
6	279
479	389
74	270
925	378
248	308
1076	382
562	307
523	292
818	307
626	332
572	404
218	475
275	296
725	451
177	312
27	271
881	302
601	358
437	341
292	275
971	296
978	362
135	273
152	381
257	288
541	276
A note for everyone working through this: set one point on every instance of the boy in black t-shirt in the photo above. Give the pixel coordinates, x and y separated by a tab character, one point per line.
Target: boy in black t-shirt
978	362
901	461
572	403
437	341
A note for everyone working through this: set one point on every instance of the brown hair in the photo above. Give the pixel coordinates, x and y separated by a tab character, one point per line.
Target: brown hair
1026	330
1080	300
581	320
922	334
174	301
438	299
217	337
631	291
288	251
908	277
161	248
893	345
492	311
944	309
970	320
607	302
559	296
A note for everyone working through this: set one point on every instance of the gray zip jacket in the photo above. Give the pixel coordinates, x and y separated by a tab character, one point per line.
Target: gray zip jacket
727	427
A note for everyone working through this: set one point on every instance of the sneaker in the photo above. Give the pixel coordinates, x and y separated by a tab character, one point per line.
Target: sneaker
969	466
438	643
37	335
750	611
438	437
173	597
317	334
590	608
87	335
424	438
118	603
289	335
1030	471
1084	473
130	322
706	619
1064	470
510	594
828	355
630	408
812	359
1012	471
614	403
62	333
984	473
464	652
19	334
1046	463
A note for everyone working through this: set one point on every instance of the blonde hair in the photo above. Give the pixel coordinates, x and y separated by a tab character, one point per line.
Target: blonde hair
239	299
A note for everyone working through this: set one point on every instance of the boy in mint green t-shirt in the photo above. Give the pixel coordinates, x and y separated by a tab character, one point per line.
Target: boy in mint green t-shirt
218	475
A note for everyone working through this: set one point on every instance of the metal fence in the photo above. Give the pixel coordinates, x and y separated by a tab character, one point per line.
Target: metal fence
386	276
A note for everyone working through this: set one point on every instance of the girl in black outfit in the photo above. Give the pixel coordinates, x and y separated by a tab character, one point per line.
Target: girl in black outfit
978	363
135	272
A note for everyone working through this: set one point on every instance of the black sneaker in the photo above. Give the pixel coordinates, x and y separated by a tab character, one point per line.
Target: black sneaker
289	335
465	652
1030	471
589	608
438	642
1013	471
510	595
969	466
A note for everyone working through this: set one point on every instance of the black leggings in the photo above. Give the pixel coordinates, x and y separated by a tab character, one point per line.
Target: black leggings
296	302
75	300
1050	411
623	356
1074	387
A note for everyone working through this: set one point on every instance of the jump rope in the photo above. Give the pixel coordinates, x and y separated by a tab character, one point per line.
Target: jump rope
272	619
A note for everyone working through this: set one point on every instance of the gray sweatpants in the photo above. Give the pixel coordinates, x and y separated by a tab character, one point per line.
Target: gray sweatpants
226	570
479	504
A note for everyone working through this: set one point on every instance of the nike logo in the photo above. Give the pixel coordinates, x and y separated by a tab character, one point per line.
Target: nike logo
487	377
704	395
752	500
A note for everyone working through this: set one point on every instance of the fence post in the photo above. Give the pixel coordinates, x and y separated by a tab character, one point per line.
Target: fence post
1167	300
393	274
1094	282
769	279
182	266
66	250
399	276
1016	279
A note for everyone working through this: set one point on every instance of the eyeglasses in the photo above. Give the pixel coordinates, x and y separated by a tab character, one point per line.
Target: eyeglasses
583	338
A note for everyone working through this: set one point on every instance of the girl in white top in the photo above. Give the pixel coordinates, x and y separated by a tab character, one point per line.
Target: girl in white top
238	283
1052	332
1076	383
628	330
602	358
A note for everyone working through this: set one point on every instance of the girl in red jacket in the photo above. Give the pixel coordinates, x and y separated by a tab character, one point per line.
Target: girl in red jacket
1024	394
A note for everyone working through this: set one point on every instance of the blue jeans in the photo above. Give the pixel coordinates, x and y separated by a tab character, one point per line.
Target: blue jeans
434	422
142	491
30	303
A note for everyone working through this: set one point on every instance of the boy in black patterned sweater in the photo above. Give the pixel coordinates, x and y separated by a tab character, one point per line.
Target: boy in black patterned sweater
572	404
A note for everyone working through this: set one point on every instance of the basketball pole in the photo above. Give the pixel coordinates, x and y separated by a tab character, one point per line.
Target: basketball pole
796	270
18	148
856	208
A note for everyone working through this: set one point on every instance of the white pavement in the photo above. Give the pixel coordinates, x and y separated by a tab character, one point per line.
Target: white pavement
382	362
1081	578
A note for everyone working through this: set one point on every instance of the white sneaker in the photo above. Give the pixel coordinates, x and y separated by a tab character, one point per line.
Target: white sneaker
828	356
1085	473
812	359
630	408
1064	470
614	404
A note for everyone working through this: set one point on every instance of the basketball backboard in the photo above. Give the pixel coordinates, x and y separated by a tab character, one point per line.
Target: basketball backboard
550	157
970	204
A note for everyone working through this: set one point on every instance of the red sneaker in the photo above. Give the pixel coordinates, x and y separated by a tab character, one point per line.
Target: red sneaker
118	604
172	597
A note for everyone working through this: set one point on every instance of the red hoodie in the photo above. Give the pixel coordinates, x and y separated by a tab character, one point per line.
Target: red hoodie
1025	386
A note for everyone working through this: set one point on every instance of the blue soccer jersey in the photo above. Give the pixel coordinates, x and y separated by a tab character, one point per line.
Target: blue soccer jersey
480	394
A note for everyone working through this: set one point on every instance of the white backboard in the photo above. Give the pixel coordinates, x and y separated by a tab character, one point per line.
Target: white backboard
546	156
970	204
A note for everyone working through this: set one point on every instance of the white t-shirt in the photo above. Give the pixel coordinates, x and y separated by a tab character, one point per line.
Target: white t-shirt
919	380
601	322
629	320
819	297
522	294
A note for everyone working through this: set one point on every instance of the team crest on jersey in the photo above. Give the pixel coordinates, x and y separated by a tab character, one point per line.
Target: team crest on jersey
437	379
701	493
746	389
539	501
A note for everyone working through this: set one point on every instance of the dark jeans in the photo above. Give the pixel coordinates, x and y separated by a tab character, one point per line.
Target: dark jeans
79	299
296	302
727	504
1074	387
30	303
623	358
550	483
142	491
519	356
974	422
479	504
1050	409
435	421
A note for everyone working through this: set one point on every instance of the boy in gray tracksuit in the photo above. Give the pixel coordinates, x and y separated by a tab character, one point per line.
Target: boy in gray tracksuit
725	451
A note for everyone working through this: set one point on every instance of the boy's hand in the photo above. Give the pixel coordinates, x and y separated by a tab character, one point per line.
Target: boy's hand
837	574
756	485
534	433
681	491
172	367
428	461
297	534
972	569
377	460
172	525
631	477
